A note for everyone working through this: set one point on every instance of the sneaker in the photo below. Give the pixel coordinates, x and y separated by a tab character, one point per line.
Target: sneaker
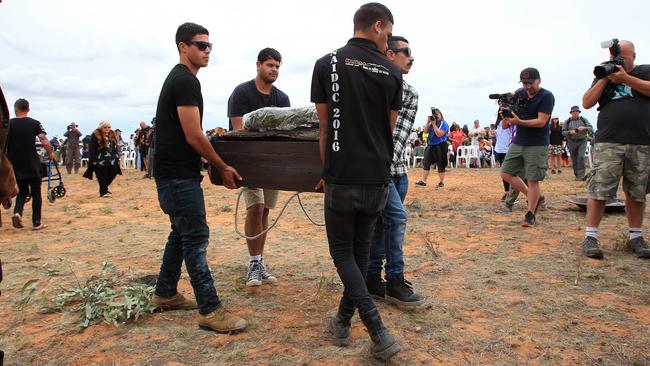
640	247
106	195
400	291
529	220
421	183
503	198
254	275
552	171
504	208
590	247
176	302
376	286
440	185
559	171
17	221
222	321
40	226
265	274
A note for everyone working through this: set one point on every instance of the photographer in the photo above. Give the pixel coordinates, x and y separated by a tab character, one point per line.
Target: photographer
576	130
622	147
529	150
437	147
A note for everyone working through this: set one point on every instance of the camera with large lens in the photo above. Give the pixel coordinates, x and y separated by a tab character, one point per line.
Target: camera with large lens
609	67
509	103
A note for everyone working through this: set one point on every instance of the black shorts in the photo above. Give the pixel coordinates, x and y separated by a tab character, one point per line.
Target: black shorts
144	151
436	154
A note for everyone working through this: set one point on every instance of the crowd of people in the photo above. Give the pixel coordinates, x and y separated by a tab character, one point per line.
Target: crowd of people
365	218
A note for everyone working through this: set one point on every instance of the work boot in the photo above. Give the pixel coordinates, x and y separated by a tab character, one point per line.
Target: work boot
222	321
176	302
376	286
17	221
339	328
400	291
591	248
384	346
640	247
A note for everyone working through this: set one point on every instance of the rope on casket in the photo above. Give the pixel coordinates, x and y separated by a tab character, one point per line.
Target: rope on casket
277	219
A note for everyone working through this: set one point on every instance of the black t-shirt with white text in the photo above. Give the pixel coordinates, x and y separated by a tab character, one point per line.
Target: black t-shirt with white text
624	116
174	157
361	86
246	98
543	102
21	147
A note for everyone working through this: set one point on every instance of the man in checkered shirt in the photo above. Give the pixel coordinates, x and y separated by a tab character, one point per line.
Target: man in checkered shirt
388	236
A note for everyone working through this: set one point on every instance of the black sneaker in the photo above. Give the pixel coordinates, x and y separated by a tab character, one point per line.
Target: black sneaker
421	183
440	185
640	247
504	208
529	220
591	248
376	286
400	291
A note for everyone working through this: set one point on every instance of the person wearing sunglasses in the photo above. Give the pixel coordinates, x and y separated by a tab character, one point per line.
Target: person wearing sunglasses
180	145
388	237
247	97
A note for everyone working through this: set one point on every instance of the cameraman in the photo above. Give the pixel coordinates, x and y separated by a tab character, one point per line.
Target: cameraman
622	149
437	148
529	151
576	130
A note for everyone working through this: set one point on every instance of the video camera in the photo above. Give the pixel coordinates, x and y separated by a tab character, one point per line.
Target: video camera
509	102
609	67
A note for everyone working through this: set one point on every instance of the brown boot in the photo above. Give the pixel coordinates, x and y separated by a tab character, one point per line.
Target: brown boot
222	321
176	302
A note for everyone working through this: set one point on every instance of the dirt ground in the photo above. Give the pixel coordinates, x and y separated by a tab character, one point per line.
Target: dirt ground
498	294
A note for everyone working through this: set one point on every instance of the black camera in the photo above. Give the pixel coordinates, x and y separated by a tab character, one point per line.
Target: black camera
509	103
609	67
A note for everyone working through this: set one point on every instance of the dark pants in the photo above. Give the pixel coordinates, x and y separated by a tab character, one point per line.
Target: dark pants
144	151
350	216
182	200
498	157
436	154
105	176
33	187
577	150
388	236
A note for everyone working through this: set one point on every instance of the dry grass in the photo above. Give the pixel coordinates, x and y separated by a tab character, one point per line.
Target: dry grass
497	293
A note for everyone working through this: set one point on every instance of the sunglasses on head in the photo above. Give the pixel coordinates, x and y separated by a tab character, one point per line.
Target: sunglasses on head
201	45
406	50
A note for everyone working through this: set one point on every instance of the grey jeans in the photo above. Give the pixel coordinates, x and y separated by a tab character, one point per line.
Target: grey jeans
577	150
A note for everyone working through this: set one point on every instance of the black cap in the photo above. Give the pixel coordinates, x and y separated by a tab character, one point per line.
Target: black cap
529	75
575	108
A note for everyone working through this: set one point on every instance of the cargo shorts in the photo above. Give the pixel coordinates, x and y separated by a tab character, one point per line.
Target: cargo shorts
613	161
531	162
257	196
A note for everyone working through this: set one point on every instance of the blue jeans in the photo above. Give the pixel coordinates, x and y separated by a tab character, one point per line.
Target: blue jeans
182	200
350	215
388	235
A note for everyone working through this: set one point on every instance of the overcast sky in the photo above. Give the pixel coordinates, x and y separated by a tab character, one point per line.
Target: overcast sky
86	61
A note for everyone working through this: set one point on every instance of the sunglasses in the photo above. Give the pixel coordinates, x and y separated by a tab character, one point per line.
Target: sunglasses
201	45
406	50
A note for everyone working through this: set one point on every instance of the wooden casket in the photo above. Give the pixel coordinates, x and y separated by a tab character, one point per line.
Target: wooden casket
282	160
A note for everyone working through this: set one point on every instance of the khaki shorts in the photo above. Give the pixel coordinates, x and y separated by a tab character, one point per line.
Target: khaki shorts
613	161
530	162
256	196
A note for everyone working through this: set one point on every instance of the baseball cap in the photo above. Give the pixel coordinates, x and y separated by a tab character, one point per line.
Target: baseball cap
575	108
529	75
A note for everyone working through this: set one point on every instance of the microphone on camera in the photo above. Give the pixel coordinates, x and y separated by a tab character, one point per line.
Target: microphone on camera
608	43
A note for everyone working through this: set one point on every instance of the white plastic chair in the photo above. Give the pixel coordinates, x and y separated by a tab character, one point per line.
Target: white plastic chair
84	162
130	159
473	154
418	154
450	151
462	154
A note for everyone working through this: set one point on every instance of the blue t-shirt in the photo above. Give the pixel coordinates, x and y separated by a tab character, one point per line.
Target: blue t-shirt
543	102
433	138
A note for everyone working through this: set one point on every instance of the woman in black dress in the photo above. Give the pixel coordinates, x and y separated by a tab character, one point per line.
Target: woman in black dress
555	148
103	158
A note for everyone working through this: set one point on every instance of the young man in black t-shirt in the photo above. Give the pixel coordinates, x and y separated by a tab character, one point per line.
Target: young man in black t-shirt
247	97
622	149
528	153
358	93
180	145
21	151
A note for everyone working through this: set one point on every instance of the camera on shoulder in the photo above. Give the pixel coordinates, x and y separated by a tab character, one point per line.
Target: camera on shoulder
509	103
609	67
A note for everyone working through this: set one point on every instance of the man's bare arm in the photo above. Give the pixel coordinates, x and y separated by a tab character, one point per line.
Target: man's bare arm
237	123
46	144
592	95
